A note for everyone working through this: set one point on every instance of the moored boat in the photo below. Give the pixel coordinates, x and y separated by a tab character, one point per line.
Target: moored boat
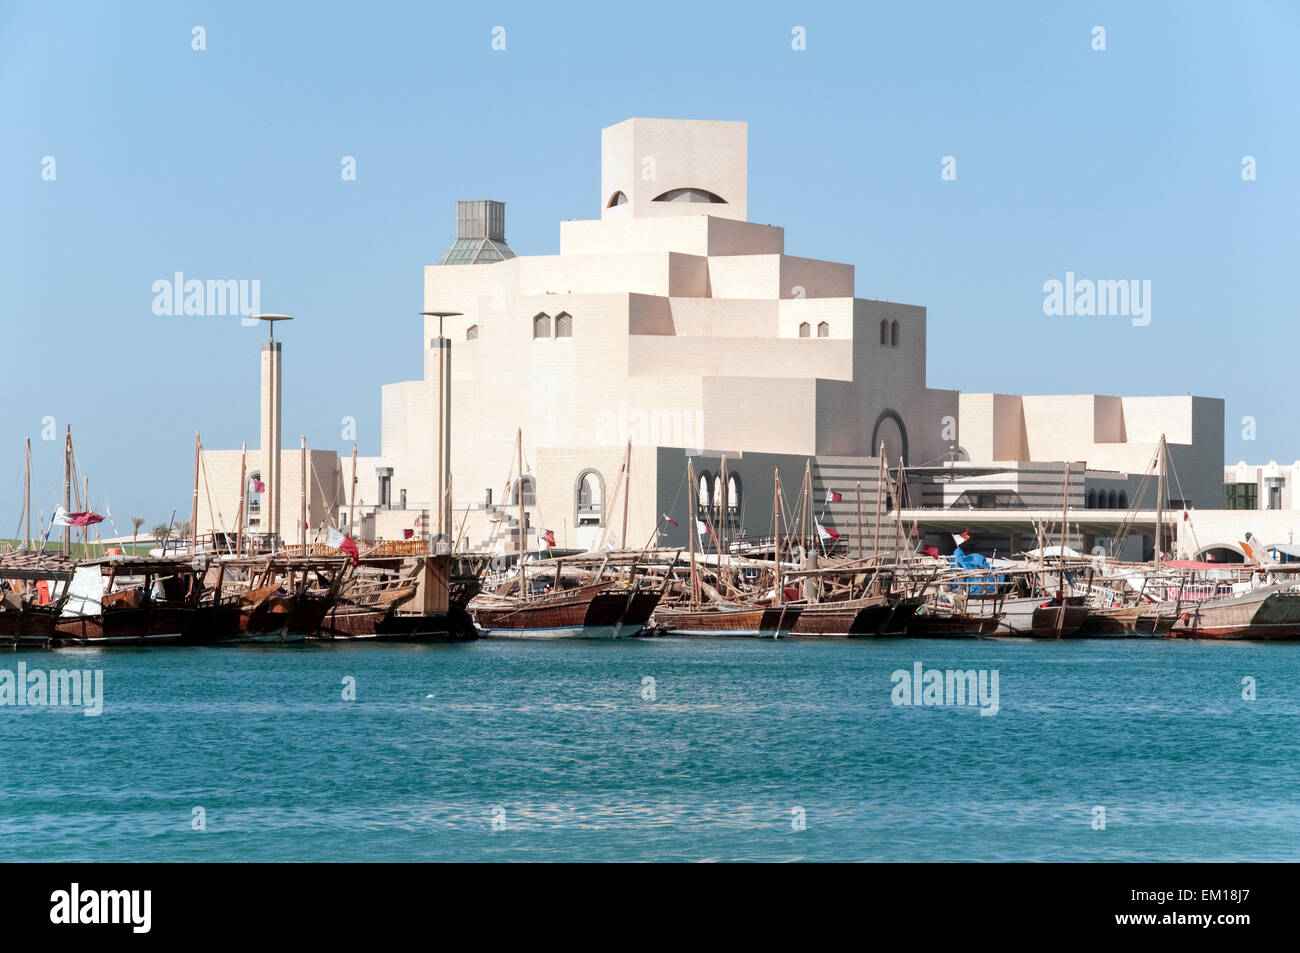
1267	612
33	590
596	611
775	621
129	602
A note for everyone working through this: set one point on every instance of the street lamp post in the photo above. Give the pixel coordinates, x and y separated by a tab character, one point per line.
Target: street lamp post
440	383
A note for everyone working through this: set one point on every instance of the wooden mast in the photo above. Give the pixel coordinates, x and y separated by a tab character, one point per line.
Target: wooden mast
627	492
1160	502
898	510
858	494
523	516
693	527
804	504
302	498
243	488
776	534
880	499
352	503
194	502
1065	529
67	487
27	497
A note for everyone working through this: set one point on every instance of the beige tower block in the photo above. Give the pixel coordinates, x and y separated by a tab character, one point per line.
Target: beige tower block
674	167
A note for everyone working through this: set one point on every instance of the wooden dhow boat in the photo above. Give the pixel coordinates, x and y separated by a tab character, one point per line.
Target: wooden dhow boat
33	590
938	623
423	600
129	601
601	610
282	598
1267	612
729	619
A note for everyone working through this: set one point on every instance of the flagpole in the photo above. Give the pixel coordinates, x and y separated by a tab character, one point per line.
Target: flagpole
352	504
243	488
27	498
194	504
776	534
880	499
694	526
627	488
67	488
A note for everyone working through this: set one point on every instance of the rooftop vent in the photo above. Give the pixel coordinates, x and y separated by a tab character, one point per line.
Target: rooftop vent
480	234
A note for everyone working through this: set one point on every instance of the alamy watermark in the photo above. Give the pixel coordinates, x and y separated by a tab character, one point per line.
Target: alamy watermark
953	687
37	688
1128	298
222	296
669	428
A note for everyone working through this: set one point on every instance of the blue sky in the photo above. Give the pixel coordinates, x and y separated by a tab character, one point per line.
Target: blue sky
225	163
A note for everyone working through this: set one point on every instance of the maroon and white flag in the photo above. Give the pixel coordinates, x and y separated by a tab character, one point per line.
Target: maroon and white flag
63	518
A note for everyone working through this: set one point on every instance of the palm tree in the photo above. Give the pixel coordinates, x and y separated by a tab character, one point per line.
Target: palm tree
160	532
136	523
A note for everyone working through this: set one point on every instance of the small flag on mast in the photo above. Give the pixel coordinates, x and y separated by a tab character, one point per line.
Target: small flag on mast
827	533
63	518
670	519
342	542
547	536
833	497
702	528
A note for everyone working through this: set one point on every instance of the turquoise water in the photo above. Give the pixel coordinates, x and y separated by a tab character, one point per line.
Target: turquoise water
556	742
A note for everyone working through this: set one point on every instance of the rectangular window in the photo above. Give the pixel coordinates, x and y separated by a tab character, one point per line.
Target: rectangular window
1241	496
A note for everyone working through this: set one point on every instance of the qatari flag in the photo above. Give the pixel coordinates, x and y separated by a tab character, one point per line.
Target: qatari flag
259	486
63	518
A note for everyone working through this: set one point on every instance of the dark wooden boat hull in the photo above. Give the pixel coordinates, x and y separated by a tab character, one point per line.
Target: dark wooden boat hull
888	620
749	622
33	627
830	620
1127	621
386	624
594	612
213	623
151	624
925	626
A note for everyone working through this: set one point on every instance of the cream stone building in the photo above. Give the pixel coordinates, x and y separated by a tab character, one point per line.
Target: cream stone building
674	326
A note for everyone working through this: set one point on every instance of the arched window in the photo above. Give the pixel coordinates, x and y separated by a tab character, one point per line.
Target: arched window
589	498
1123	500
893	334
530	492
706	486
541	326
471	333
254	495
717	492
804	329
564	325
1092	499
690	195
823	330
884	332
1110	500
733	493
618	198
